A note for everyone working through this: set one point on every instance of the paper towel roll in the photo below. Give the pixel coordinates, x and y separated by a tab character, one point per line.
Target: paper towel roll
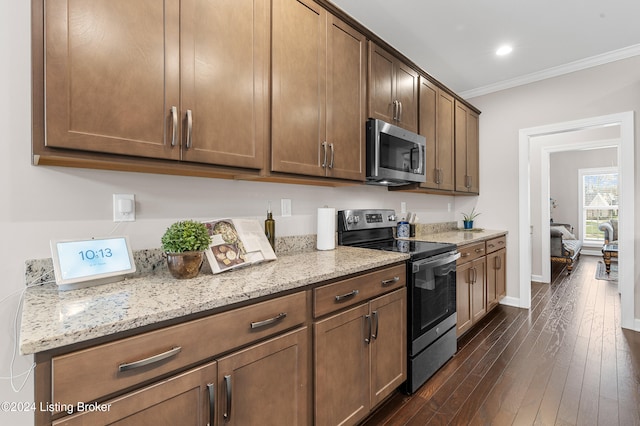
326	235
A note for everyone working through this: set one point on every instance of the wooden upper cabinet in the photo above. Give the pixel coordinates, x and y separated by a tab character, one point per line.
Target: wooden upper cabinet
346	100
318	77
225	81
437	126
467	149
159	79
111	76
393	89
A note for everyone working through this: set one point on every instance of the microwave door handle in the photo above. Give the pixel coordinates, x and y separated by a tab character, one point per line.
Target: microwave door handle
421	159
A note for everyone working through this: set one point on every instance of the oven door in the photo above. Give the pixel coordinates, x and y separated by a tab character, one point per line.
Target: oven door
432	299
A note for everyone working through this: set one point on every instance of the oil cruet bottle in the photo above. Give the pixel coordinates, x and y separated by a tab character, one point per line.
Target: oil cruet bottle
270	228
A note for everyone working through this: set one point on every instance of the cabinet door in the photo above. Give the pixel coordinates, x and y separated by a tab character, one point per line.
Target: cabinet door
467	149
461	127
225	81
299	31
407	88
342	366
496	277
184	399
346	97
388	345
479	289
429	93
381	88
464	277
473	152
445	141
266	384
112	76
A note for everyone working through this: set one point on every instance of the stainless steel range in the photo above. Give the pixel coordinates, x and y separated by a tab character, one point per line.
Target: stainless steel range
431	281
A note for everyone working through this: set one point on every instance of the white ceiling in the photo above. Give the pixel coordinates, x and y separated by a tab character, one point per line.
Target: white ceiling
455	40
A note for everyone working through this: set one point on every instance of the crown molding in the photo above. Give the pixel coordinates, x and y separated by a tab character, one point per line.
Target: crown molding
593	61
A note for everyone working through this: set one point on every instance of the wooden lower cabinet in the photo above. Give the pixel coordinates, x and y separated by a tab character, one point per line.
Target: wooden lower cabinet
360	358
184	399
266	384
496	277
481	280
470	293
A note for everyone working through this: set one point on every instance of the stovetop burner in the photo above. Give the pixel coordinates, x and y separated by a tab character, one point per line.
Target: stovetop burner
374	229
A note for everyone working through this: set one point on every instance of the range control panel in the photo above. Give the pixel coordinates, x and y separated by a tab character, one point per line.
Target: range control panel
351	220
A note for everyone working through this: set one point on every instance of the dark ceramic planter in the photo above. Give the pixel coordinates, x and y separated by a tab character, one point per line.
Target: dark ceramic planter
468	224
185	265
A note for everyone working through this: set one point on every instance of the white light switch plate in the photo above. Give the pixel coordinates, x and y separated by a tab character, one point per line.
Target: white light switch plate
285	207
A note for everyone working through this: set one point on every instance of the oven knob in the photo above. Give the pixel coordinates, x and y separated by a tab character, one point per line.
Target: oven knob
392	218
349	219
356	219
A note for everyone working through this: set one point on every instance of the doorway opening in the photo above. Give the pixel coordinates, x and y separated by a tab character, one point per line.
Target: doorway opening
625	143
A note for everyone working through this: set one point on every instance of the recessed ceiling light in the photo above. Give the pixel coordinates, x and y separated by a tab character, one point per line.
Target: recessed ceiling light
504	50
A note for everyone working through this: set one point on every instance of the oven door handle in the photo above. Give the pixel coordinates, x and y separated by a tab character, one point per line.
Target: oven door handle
438	261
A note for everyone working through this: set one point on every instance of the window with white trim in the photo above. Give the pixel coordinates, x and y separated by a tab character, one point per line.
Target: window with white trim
598	201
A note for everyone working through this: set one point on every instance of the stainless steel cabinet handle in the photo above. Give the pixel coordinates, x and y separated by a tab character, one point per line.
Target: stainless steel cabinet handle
212	403
479	250
324	161
174	125
332	155
374	335
279	317
367	318
346	296
465	254
399	111
498	262
152	359
475	275
227	414
189	128
386	283
393	110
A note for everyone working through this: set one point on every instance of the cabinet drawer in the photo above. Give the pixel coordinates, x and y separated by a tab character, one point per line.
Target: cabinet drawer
496	244
470	252
92	373
349	292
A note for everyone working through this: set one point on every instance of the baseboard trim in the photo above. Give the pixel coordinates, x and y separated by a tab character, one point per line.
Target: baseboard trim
537	279
511	301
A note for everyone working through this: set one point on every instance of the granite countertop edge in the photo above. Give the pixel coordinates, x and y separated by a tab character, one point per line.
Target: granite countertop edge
52	319
459	237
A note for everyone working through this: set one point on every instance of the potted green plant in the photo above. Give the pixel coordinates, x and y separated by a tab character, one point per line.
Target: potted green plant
184	243
468	218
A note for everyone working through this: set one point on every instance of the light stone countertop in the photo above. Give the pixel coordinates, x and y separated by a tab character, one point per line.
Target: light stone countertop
458	237
53	319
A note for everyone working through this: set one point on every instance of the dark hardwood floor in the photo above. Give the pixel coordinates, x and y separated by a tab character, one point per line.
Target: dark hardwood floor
564	362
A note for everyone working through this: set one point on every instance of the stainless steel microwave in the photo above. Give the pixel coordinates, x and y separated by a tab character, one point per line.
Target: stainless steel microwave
395	156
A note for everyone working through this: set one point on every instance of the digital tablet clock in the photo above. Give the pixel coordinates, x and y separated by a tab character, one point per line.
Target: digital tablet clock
83	263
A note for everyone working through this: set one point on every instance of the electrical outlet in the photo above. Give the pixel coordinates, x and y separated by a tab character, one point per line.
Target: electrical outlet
124	207
285	207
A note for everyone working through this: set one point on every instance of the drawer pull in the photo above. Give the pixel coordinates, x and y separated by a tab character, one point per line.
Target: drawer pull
212	403
386	283
490	245
479	250
346	296
152	359
269	321
465	254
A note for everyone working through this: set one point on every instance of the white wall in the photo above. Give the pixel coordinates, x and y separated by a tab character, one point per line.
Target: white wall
40	203
607	89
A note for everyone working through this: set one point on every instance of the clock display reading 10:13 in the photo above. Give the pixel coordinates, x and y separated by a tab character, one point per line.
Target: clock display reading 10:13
95	254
